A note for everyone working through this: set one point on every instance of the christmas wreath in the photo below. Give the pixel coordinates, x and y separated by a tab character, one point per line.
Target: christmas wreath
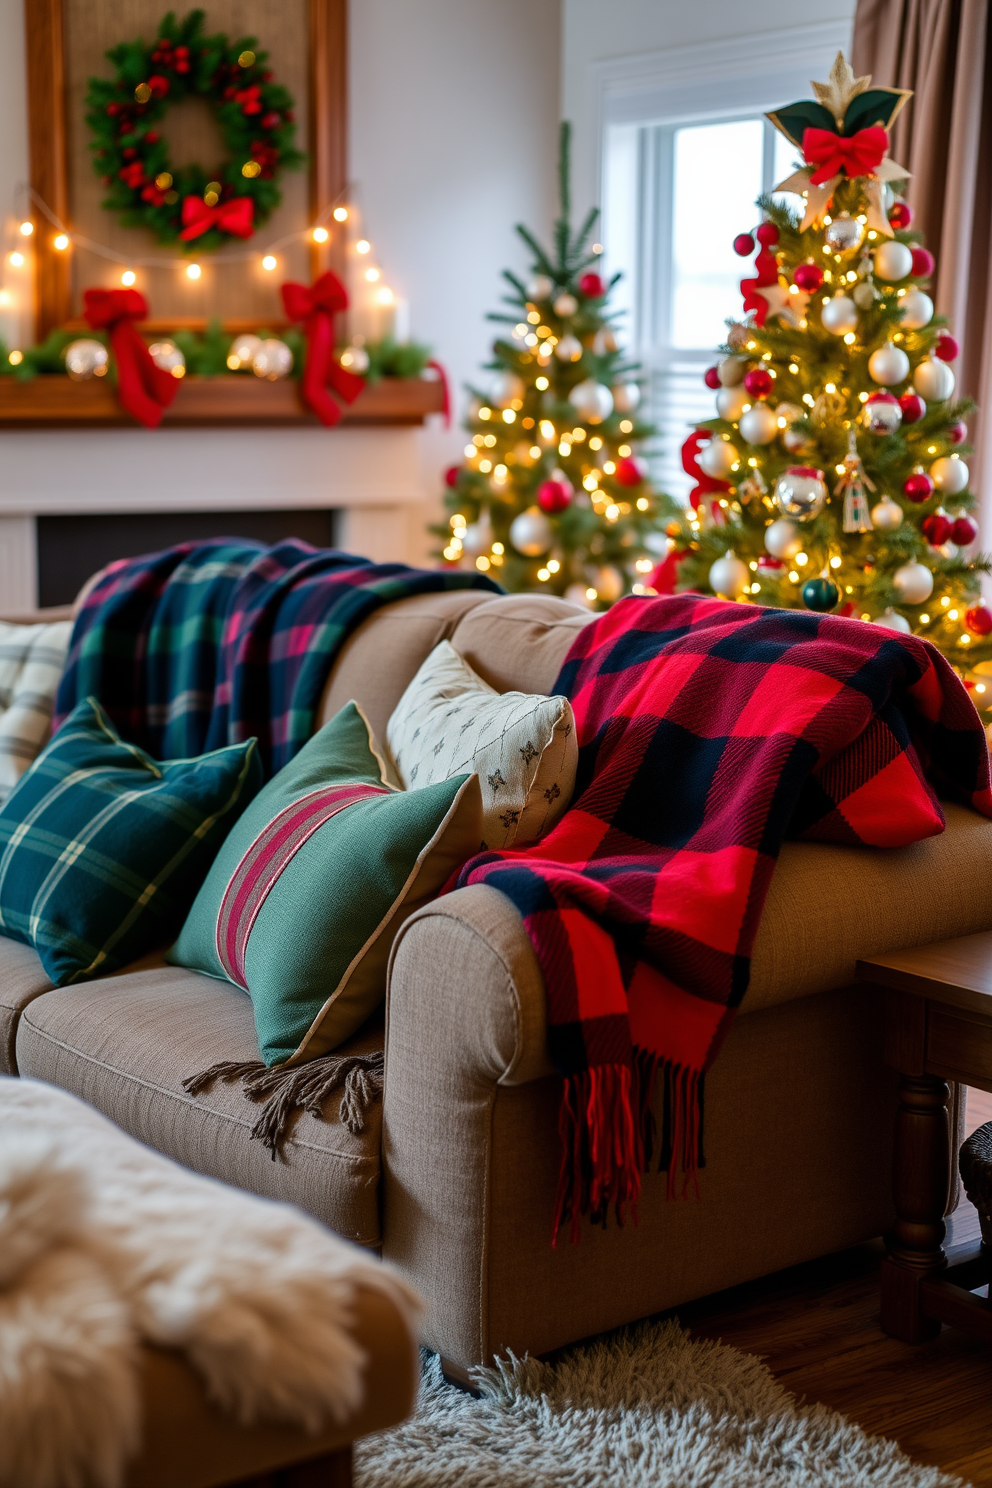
190	203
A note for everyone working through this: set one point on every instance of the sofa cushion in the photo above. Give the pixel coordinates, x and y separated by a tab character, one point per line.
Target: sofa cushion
519	641
22	979
378	660
126	1043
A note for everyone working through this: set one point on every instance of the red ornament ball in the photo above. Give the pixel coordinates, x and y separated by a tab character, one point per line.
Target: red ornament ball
913	407
936	528
978	620
553	496
924	263
629	471
758	382
964	531
808	276
958	433
592	286
451	475
744	244
918	487
946	348
901	216
711	377
767	234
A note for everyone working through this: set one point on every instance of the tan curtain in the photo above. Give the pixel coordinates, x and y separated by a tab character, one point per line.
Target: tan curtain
942	50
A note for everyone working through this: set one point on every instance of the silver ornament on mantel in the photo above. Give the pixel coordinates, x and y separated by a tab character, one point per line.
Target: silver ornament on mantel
844	232
241	352
85	359
531	533
273	359
566	305
569	349
591	400
887	515
167	356
800	491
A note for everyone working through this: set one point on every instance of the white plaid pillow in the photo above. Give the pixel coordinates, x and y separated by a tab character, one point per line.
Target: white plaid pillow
31	662
521	745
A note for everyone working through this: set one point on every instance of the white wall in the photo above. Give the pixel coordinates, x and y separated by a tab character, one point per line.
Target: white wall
454	108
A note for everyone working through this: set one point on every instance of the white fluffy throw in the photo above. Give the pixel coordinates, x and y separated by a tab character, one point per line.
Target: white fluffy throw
105	1244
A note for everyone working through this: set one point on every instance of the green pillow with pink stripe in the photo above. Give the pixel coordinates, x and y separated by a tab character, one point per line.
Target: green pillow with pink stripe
304	899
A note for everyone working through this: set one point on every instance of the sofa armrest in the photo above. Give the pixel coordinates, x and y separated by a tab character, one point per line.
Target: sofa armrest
465	1017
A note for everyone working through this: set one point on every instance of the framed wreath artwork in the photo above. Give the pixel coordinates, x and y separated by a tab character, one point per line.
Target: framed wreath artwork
195	134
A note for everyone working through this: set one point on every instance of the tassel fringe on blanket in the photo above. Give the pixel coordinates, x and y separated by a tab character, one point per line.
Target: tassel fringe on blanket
301	1087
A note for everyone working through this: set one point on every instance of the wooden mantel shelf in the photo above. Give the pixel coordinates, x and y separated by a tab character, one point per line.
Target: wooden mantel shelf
56	402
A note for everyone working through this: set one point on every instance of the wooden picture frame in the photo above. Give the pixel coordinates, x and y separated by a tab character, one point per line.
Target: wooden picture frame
326	145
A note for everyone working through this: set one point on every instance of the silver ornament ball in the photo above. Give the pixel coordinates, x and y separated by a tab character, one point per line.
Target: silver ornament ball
566	305
892	620
591	400
882	414
888	365
800	491
887	515
540	287
863	295
731	371
782	539
718	458
844	233
355	359
241	352
934	381
893	261
531	533
85	359
626	396
729	576
167	356
731	403
840	315
949	475
505	388
273	359
913	583
569	349
917	309
759	424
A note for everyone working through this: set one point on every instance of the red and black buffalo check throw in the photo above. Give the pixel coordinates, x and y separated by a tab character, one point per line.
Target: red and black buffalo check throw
708	733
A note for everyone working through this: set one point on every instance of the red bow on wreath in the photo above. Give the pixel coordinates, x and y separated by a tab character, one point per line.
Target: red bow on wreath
144	389
317	306
832	153
236	217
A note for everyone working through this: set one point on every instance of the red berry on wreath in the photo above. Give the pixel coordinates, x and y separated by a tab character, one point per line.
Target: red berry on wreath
158	84
964	531
553	496
130	153
917	487
946	348
744	244
592	286
113	109
629	471
978	620
958	433
767	234
913	407
758	382
923	263
711	377
270	121
936	528
901	216
808	276
151	138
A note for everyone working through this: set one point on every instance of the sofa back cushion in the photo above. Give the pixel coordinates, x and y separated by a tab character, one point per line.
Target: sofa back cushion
519	641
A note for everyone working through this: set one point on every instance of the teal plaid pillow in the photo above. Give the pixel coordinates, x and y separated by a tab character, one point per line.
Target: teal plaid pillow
103	849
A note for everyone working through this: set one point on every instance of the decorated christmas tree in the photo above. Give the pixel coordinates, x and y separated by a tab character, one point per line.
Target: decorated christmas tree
550	495
834	476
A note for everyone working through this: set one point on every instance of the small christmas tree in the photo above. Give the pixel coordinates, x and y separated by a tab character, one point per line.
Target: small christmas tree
833	476
550	494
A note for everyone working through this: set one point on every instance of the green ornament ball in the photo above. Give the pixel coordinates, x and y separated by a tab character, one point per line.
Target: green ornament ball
820	594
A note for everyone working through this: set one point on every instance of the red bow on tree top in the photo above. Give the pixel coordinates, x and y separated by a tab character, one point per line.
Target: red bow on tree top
316	306
857	155
236	217
144	389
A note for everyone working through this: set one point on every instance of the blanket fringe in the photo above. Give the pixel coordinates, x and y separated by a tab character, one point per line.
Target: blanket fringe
608	1133
302	1087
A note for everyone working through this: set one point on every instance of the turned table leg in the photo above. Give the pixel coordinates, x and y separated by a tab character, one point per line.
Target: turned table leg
920	1186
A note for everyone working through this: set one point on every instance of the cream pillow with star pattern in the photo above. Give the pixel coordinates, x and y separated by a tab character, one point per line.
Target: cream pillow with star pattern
521	745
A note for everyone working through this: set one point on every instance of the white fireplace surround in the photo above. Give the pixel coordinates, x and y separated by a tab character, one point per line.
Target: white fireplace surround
374	477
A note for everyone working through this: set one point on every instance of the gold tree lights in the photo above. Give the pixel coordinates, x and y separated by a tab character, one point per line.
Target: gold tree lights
550	494
834	475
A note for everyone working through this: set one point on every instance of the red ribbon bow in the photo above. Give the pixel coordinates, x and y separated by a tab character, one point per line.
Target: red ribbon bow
236	217
317	306
857	155
144	389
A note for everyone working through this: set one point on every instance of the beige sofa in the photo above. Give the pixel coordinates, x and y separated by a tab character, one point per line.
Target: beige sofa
454	1180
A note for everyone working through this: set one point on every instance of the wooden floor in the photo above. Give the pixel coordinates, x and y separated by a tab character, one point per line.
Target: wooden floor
816	1326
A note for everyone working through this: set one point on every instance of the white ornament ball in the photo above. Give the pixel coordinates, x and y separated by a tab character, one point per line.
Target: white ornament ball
892	260
539	287
917	309
888	365
863	295
718	458
576	594
882	414
731	371
759	425
531	533
505	388
728	575
355	359
241	352
478	536
85	359
892	620
591	400
933	380
166	354
626	396
731	403
604	343
949	475
844	232
795	440
273	359
566	305
569	349
800	491
913	583
887	515
782	539
840	315
609	583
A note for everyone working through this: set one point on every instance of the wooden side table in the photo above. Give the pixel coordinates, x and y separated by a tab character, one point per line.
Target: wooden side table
938	1028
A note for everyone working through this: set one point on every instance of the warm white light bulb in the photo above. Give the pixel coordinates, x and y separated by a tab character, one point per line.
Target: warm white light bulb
320	235
27	228
193	271
16	260
61	242
340	214
385	295
128	277
269	262
372	275
363	246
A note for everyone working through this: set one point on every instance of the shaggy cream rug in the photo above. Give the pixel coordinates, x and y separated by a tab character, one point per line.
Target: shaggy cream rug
647	1407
